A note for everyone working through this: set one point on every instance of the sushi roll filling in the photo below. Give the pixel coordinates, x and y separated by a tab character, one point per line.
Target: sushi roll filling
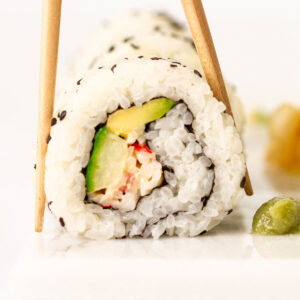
127	163
141	174
122	168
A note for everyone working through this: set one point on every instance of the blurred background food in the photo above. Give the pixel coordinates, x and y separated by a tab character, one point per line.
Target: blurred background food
282	146
283	151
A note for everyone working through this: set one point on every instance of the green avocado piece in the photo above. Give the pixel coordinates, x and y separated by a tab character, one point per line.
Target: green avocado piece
277	216
124	121
107	161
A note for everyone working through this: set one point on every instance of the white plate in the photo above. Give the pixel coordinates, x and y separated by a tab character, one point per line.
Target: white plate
226	263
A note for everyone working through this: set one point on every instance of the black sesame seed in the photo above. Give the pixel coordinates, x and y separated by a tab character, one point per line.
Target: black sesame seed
78	82
126	40
113	67
197	73
48	139
53	121
155	58
62	115
62	222
100	68
243	182
173	66
203	232
134	46
49	205
141	56
176	25
230	211
111	49
34	166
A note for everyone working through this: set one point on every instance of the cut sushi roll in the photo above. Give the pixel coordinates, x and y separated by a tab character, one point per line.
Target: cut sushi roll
141	148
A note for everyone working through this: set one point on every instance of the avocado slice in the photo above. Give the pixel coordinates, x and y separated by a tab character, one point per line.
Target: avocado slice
124	121
107	161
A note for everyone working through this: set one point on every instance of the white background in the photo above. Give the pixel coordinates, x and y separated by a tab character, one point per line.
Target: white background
258	43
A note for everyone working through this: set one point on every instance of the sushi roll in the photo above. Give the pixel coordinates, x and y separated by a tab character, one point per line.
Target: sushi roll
140	147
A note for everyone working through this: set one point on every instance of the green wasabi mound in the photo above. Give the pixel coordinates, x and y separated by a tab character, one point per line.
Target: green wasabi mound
277	216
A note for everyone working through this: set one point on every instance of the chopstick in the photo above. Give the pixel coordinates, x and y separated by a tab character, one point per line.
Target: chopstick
197	21
51	11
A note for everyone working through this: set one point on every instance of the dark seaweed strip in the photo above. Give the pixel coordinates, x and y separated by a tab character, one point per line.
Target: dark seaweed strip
113	67
230	211
197	73
48	139
212	166
134	46
168	169
62	222
62	115
53	121
205	200
111	49
86	199
243	182
189	128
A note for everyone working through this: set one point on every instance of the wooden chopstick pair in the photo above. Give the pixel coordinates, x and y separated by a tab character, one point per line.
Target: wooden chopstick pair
51	12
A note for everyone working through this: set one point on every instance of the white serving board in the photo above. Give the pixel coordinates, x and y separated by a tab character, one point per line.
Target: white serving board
226	263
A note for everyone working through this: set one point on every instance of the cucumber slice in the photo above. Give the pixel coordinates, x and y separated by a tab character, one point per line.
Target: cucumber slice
107	161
